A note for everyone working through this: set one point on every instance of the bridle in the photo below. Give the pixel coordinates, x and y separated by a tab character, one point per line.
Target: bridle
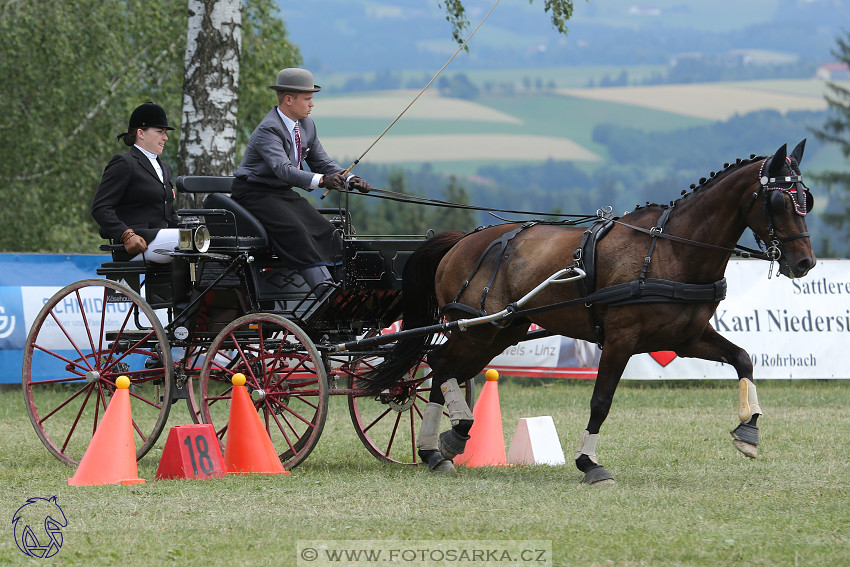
774	189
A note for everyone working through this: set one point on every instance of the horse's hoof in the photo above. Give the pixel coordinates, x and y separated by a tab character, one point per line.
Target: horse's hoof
745	438
598	476
747	449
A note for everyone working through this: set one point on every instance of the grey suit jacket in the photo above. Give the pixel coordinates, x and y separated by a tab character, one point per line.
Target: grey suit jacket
267	164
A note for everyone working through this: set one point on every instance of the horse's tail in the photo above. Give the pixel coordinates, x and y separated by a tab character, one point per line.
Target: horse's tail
419	309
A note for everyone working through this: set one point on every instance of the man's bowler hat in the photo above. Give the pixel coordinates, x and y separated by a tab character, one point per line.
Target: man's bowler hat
295	80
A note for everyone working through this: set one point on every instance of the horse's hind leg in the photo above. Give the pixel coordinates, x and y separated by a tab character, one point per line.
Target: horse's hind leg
438	449
712	346
458	360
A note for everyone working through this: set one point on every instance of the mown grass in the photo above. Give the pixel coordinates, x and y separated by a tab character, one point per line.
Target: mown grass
684	495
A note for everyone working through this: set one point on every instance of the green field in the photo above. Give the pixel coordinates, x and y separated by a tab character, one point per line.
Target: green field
684	495
569	115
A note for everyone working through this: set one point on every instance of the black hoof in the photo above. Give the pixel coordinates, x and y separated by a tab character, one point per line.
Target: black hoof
598	475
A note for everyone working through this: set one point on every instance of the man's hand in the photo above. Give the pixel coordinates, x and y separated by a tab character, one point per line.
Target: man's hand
359	184
133	243
334	181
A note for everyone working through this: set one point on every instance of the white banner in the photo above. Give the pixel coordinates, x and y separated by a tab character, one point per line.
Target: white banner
790	328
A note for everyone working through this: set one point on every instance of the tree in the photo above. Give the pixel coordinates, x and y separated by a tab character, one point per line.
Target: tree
210	89
836	130
72	76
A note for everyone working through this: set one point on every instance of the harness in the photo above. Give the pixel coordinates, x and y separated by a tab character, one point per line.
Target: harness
643	289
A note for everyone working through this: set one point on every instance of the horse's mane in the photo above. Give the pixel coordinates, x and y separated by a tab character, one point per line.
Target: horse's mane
706	182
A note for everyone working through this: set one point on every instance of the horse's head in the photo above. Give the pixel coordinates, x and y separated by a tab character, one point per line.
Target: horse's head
780	221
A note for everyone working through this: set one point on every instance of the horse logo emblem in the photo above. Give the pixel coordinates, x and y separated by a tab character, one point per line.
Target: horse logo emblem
38	527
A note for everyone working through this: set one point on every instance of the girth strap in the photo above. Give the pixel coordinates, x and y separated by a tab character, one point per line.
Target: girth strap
502	242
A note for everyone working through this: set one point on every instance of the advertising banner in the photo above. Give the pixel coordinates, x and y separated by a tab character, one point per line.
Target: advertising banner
790	328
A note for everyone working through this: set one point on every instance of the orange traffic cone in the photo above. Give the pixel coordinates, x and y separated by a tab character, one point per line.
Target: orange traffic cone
249	449
486	445
111	455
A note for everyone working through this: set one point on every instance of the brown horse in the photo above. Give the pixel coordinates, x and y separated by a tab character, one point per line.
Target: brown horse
654	281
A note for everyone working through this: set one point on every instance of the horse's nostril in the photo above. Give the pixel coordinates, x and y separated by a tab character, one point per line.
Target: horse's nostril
804	265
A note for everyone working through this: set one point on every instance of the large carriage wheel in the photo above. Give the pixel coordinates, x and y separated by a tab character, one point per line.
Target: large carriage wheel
285	377
73	356
388	425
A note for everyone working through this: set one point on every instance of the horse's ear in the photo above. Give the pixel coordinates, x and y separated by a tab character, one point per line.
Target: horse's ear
777	162
797	154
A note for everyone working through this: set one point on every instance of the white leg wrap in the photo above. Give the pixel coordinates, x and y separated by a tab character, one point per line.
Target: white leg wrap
748	401
587	445
455	402
429	430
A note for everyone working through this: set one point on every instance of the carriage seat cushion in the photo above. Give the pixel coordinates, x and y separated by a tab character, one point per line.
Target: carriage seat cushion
251	233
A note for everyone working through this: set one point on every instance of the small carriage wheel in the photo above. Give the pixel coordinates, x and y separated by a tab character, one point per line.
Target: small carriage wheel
285	377
73	356
388	424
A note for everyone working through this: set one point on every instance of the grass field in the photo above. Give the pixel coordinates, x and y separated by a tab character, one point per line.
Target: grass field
684	495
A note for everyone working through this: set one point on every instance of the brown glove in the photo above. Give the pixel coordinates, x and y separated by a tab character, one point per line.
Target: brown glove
334	181
359	184
133	243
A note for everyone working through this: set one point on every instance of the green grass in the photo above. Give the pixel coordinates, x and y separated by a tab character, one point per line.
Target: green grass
684	495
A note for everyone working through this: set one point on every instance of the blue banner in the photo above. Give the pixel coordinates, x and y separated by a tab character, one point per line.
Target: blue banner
19	272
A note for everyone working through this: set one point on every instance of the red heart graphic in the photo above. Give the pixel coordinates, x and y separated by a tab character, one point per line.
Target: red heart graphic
663	357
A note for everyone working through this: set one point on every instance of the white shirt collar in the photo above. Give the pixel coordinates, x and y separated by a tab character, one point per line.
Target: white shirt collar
151	156
153	159
289	122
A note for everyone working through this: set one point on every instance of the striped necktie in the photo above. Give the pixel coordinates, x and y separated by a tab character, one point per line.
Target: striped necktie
298	144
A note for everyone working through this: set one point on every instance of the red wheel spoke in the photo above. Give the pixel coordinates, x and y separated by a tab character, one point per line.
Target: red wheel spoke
377	419
77	419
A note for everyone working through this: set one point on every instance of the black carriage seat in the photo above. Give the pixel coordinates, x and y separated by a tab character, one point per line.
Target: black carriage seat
274	284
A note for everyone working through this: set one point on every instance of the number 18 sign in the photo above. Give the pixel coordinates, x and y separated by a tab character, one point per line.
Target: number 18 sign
191	451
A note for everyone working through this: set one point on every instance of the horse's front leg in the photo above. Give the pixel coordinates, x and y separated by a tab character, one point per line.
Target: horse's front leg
438	449
712	346
611	365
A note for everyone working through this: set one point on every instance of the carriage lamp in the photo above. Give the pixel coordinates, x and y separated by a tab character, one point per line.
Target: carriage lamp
194	239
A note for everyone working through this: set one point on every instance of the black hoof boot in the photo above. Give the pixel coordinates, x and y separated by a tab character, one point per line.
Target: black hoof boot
436	462
745	438
452	444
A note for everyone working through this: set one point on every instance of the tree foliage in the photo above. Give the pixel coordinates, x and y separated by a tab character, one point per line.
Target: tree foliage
74	73
559	11
836	130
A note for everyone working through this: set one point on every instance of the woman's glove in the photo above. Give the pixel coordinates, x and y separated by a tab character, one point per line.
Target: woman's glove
133	243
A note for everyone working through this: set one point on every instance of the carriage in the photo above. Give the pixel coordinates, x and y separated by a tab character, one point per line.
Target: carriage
225	305
647	281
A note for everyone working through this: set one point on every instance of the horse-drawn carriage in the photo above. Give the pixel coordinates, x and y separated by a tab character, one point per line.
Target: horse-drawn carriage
224	305
647	281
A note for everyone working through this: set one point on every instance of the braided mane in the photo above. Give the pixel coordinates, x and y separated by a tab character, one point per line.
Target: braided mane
705	183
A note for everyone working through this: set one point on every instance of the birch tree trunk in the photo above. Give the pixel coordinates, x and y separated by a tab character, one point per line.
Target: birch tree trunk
210	90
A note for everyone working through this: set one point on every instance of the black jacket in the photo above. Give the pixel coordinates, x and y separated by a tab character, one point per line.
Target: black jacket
130	195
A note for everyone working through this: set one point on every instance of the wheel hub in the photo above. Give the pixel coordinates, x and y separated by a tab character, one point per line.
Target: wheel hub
258	395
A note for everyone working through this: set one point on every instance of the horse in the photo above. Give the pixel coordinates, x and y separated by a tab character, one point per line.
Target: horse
653	278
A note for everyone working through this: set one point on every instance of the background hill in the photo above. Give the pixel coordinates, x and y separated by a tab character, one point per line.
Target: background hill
634	105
